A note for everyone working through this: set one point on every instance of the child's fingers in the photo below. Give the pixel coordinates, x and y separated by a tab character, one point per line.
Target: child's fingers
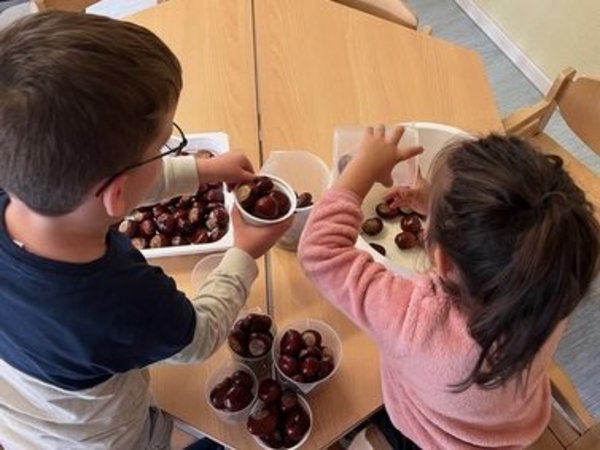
380	130
396	135
409	152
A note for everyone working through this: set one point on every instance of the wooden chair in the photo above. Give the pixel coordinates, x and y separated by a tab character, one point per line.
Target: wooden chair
64	5
578	101
393	10
571	424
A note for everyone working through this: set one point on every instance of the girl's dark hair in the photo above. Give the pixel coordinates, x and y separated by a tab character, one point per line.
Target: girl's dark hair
525	244
82	97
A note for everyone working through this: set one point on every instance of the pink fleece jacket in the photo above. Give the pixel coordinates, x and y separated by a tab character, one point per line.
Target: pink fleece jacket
424	342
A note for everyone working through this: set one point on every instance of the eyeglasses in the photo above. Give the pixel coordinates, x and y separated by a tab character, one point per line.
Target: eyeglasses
176	151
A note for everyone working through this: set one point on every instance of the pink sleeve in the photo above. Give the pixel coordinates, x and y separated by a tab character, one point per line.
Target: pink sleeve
372	296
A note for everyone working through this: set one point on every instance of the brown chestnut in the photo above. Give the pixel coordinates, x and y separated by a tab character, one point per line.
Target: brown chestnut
183	226
291	343
325	368
269	390
260	322
384	211
159	209
165	223
215	195
372	226
243	379
140	216
178	240
216	234
237	398
195	215
309	368
262	422
406	240
289	401
217	394
296	426
378	248
200	237
311	338
288	365
159	240
304	200
238	341
128	227
282	200
263	185
139	242
147	228
266	208
410	223
245	195
259	344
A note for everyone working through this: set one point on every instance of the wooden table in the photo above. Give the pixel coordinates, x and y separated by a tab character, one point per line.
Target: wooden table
319	65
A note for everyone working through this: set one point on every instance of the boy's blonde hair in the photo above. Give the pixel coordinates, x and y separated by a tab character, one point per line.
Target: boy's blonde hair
81	97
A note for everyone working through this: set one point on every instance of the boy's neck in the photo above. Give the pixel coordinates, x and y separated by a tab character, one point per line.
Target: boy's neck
69	238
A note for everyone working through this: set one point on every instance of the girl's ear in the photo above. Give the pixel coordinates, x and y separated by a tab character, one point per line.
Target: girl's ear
442	262
113	197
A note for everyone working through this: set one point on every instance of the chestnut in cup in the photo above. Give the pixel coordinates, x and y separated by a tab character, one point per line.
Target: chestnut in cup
251	337
234	393
261	198
303	357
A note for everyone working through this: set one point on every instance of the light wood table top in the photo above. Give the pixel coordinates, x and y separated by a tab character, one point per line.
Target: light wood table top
320	65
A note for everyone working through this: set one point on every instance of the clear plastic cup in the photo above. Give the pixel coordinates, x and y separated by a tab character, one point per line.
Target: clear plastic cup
259	404
204	268
223	371
304	172
280	185
330	339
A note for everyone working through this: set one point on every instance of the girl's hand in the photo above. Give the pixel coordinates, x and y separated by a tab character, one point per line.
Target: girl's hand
375	160
415	198
230	167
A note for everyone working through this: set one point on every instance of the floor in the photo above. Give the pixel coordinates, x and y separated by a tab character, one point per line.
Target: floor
579	352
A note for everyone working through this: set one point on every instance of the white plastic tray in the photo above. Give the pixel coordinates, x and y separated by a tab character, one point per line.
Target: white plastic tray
218	143
433	137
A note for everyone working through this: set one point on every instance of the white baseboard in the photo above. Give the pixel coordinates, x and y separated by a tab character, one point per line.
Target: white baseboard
504	43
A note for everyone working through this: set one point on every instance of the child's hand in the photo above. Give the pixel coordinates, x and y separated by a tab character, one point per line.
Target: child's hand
230	167
375	160
256	241
416	198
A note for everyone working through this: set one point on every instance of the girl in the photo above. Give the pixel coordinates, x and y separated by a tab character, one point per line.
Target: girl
464	348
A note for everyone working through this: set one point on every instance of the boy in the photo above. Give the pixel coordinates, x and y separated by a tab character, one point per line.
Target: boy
87	104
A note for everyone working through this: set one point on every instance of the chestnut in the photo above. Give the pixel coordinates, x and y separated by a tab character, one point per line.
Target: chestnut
237	398
288	401
139	242
406	240
140	216
288	365
245	195
204	154
215	195
313	351
195	215
159	240
262	422
185	201
217	394
372	226
304	200
269	390
410	223
378	248
128	227
273	440
178	240
165	223
216	234
260	323
238	341
200	237
282	200
309	367
243	379
259	344
325	368
147	228
263	185
311	338
159	209
296	426
291	343
265	208
384	211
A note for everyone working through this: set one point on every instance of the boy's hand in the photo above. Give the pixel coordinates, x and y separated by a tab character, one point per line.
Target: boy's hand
416	198
375	160
256	241
230	167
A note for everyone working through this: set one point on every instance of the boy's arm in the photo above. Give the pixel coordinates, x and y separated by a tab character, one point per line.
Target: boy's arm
179	176
217	305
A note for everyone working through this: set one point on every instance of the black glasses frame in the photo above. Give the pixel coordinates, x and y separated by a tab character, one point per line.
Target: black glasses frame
171	151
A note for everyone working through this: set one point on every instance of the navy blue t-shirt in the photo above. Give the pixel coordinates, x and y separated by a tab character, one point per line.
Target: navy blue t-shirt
75	325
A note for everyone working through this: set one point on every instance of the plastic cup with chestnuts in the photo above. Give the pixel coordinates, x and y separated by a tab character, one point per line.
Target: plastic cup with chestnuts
306	353
231	391
281	418
264	201
250	340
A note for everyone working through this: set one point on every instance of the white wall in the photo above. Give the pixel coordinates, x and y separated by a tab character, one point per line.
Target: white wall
553	34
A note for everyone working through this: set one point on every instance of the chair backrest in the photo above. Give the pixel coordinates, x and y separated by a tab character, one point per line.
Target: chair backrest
392	10
578	101
64	5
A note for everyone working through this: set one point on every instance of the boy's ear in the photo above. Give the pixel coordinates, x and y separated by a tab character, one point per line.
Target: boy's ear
442	262
113	197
